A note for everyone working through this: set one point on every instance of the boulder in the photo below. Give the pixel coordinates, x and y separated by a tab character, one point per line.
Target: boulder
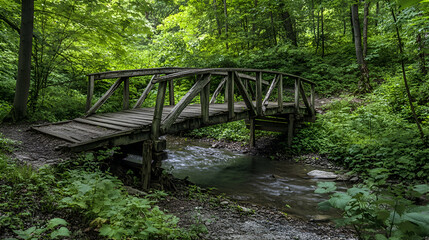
322	174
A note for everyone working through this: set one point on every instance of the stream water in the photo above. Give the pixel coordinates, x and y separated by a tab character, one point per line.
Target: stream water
253	179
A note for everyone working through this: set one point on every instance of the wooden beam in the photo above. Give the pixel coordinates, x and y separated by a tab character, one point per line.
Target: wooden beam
145	93
157	115
259	93
146	163
126	99
171	92
100	124
137	72
290	129
205	103
243	92
280	94
175	112
252	133
304	98
313	107
104	98
90	92
270	90
230	94
296	101
218	90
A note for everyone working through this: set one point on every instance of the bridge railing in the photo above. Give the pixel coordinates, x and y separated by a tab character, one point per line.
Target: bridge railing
250	84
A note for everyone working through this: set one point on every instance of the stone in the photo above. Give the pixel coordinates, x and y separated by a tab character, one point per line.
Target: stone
322	174
224	203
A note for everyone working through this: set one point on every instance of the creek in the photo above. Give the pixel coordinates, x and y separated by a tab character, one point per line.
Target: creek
258	180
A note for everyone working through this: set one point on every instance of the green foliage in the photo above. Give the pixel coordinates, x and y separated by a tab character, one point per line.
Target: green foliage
234	131
53	226
379	213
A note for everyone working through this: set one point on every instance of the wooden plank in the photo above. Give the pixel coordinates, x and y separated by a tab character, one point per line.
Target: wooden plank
112	121
90	92
171	91
205	102
126	98
296	101
241	88
218	90
146	163
157	115
259	93
134	117
119	120
304	98
230	94
94	123
91	131
137	72
145	93
104	98
280	94
270	90
56	134
177	110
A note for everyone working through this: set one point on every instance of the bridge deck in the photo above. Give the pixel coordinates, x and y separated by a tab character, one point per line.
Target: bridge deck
131	126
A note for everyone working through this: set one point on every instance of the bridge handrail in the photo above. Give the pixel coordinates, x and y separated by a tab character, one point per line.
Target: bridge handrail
201	86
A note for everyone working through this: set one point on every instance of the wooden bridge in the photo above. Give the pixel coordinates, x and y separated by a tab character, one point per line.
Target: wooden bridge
267	100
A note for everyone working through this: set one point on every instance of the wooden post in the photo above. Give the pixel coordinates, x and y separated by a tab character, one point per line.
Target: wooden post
146	163
252	132
297	85
205	103
126	99
90	92
230	94
157	115
171	91
312	100
280	94
259	93
290	129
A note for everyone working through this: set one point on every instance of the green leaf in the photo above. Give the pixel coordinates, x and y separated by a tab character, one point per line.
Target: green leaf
380	237
419	218
55	222
340	200
325	187
422	188
62	232
408	3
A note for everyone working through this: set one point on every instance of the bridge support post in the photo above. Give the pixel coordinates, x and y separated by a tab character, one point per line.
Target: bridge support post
290	129
252	133
146	163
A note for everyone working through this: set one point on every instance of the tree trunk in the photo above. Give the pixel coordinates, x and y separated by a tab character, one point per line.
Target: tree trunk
288	26
323	33
410	99
364	85
318	33
219	27
19	110
365	28
225	11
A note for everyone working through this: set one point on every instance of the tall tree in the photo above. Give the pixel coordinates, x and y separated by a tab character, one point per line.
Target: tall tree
364	85
24	61
365	28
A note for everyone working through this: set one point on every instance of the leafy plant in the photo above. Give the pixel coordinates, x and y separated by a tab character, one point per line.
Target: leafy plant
55	226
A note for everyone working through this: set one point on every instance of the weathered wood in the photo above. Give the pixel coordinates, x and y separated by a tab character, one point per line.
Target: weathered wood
90	93
95	123
259	93
290	129
252	132
58	135
205	102
126	99
159	156
146	163
218	90
104	98
230	94
280	93
137	72
159	145
312	100
114	122
145	93
270	90
157	115
243	92
175	112
171	91
296	101
305	100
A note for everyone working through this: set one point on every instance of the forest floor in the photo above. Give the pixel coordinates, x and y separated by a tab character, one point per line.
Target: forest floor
223	219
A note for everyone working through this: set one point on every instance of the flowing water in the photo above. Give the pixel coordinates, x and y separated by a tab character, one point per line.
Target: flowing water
253	179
